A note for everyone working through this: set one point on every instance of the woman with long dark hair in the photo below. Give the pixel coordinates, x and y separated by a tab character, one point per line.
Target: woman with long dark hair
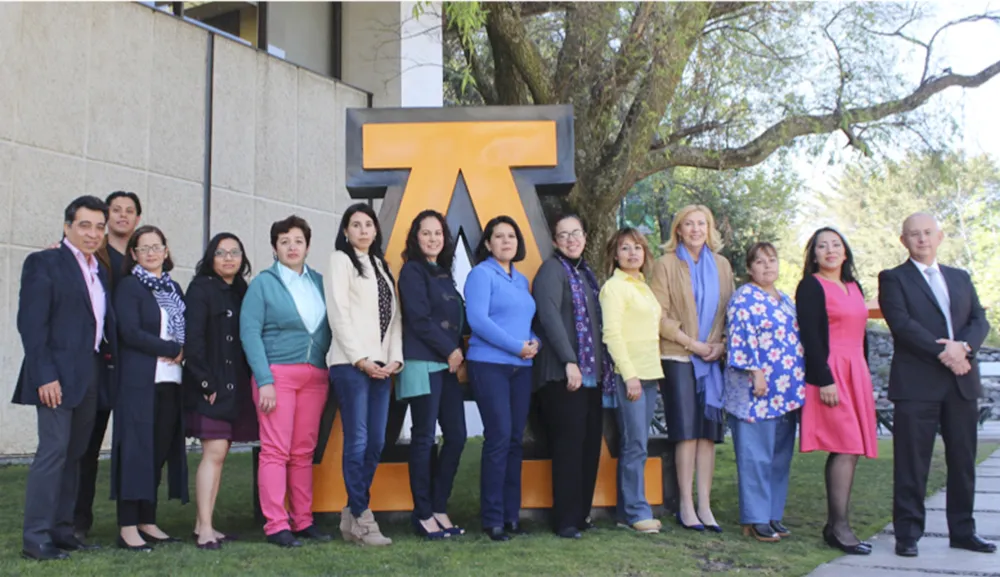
433	325
839	412
148	423
572	370
218	397
367	350
501	349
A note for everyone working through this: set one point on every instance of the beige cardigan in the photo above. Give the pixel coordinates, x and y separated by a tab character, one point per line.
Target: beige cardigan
352	306
671	283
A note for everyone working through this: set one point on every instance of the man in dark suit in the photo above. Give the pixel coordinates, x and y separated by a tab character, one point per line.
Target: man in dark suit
937	327
67	328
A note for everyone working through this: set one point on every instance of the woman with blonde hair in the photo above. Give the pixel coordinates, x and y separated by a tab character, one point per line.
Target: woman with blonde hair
693	284
630	316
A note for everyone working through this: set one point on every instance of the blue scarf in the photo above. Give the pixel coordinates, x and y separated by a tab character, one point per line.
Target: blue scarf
585	352
705	283
167	298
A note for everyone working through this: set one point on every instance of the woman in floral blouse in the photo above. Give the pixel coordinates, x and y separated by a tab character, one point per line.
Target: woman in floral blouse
764	388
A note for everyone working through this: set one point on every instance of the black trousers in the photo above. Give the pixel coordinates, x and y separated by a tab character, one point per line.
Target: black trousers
574	422
915	427
52	479
83	513
166	419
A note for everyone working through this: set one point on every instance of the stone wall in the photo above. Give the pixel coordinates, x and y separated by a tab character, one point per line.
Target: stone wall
880	356
96	97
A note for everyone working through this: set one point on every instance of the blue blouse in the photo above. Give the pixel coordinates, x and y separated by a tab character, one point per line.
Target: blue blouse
499	308
763	335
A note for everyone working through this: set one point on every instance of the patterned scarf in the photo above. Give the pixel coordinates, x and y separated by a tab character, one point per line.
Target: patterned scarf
167	298
584	332
705	284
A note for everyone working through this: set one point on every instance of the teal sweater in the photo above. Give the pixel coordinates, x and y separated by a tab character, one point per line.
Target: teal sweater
272	331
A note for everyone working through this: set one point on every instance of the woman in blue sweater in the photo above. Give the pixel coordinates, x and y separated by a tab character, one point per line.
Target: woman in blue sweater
286	336
500	308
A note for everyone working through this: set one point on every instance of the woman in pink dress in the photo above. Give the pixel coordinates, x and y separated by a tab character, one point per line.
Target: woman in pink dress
839	411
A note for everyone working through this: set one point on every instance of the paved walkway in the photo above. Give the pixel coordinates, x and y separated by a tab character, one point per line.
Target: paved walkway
936	558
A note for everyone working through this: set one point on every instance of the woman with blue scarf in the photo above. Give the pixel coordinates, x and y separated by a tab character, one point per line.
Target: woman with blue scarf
572	369
693	284
148	425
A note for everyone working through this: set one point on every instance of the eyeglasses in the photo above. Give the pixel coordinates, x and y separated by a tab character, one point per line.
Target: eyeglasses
235	253
152	249
573	234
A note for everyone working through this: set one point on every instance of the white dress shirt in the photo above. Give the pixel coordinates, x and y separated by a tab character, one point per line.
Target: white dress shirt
935	280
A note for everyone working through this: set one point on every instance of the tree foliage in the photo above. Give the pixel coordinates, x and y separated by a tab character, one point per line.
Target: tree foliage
711	85
964	193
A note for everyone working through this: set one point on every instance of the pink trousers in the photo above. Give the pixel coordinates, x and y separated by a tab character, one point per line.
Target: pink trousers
288	436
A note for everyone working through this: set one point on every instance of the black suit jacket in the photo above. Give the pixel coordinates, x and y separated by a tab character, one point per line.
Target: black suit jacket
916	322
56	322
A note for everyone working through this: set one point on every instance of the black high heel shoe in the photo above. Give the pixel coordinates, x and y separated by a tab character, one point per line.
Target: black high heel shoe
156	540
860	549
496	533
422	531
698	527
144	548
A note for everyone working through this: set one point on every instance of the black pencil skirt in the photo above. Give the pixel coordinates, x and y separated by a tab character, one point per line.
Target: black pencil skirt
684	407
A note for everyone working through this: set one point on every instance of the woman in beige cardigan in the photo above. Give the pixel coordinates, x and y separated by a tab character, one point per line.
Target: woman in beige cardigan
693	284
367	350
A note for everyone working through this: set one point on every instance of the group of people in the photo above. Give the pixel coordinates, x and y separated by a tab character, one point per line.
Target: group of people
235	360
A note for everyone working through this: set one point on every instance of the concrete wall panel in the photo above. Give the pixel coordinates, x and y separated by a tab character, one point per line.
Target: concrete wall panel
51	105
6	188
10	44
121	65
233	116
319	129
233	212
176	207
44	183
177	131
102	178
275	143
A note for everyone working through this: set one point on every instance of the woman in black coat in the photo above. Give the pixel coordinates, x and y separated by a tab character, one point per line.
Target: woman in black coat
217	394
571	371
148	429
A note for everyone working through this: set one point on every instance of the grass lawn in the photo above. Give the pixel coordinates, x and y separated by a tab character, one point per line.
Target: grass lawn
606	551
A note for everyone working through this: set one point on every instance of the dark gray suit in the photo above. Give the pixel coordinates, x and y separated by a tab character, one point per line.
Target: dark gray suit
56	321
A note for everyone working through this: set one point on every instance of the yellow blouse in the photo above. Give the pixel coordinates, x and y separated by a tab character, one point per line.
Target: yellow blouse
631	319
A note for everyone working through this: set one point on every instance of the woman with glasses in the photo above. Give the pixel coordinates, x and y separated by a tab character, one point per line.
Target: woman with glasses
572	369
148	423
217	389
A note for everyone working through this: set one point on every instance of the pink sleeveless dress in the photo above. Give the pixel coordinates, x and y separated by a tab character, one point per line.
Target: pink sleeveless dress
850	426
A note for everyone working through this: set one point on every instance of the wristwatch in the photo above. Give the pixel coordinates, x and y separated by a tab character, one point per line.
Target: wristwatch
968	349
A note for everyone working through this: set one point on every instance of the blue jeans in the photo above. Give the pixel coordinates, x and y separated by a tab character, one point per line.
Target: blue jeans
503	395
364	411
431	482
634	418
763	460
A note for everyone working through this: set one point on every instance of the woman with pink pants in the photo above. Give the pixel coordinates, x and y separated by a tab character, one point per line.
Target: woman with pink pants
286	336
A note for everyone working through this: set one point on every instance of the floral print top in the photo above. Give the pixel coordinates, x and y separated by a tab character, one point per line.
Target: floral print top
763	334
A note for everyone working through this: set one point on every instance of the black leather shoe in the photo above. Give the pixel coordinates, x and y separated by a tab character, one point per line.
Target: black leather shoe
312	532
569	533
906	548
587	525
496	533
284	539
144	548
156	540
974	543
46	552
74	544
832	541
763	532
780	529
514	529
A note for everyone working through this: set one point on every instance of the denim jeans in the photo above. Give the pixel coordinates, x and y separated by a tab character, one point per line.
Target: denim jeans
634	418
431	481
503	395
763	460
364	411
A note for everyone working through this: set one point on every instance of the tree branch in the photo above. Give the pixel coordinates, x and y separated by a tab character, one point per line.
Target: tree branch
788	129
507	31
484	85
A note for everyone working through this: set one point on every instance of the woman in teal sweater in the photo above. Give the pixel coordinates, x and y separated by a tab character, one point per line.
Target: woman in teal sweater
286	335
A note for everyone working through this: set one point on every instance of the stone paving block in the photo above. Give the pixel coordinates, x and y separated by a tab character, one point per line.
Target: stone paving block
984	501
987	524
835	570
935	556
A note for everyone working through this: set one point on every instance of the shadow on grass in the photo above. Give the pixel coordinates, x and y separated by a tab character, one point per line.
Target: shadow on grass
606	551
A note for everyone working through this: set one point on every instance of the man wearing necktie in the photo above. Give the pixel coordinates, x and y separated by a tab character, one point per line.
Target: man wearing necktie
937	327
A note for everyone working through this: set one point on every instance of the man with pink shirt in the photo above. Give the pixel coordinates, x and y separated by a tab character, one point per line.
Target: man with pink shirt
67	329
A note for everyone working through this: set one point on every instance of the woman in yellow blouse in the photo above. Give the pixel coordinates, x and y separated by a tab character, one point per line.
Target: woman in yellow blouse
631	318
693	284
